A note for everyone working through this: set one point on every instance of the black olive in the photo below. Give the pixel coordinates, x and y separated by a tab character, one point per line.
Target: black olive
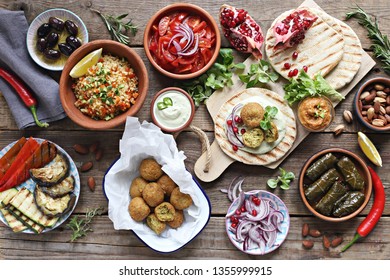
52	54
41	44
71	27
52	39
65	49
73	42
43	30
56	23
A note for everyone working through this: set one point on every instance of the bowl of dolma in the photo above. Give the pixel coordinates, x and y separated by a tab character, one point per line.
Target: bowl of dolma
335	184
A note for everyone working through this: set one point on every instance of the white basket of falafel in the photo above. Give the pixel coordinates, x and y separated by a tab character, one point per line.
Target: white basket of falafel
150	191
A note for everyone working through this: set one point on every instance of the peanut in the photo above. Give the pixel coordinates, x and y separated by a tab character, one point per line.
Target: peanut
91	184
307	244
86	166
81	149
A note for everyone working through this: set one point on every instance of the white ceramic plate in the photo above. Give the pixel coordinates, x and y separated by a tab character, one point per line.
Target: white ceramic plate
165	245
32	37
29	184
281	236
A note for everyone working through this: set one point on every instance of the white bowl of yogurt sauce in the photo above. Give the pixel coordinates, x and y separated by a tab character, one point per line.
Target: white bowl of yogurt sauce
172	109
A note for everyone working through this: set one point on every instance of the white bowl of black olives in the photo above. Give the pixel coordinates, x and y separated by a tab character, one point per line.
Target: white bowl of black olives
53	36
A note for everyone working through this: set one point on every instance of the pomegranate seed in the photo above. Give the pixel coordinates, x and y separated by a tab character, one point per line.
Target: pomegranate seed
305	68
229	122
295	72
238	212
277	30
243	209
235	148
243	130
234	225
257	202
239	120
233	219
287	65
295	55
254	212
290	74
236	118
235	129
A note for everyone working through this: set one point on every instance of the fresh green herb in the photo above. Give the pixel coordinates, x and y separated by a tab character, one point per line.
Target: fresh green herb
81	226
165	103
304	86
259	73
284	180
380	42
117	28
217	77
269	114
320	112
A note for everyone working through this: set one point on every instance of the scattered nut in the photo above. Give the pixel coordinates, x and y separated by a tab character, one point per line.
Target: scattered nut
387	117
371	97
379	87
387	110
383	118
314	233
338	129
348	116
81	149
370	113
377	106
379	99
378	122
381	94
307	244
86	166
305	230
336	242
325	242
91	184
388	100
364	95
382	111
99	154
93	147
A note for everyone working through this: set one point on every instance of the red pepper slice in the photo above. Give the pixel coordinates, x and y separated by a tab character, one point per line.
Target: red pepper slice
27	150
9	157
163	26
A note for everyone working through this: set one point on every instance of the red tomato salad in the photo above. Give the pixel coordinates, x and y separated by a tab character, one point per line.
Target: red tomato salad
182	43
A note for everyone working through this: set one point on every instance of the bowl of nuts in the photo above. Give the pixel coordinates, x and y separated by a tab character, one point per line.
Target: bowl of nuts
372	104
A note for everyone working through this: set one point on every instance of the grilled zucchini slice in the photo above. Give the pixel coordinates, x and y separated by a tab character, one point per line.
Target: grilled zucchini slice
24	220
13	223
6	196
53	173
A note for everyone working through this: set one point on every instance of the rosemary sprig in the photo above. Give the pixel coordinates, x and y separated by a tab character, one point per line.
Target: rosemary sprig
117	27
380	42
81	226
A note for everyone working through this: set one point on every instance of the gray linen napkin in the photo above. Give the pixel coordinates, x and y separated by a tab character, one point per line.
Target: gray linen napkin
14	56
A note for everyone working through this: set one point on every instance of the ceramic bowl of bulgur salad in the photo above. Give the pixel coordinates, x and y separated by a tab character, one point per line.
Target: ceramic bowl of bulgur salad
102	83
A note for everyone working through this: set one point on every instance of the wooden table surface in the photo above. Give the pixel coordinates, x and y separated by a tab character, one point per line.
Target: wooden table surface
106	243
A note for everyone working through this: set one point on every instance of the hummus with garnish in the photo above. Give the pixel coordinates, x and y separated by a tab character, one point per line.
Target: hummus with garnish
315	113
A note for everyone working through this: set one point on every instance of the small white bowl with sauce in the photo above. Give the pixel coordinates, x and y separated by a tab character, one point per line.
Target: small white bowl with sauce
172	109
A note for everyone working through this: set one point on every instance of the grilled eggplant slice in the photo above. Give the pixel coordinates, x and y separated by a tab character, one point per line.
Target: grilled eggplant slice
52	174
53	207
61	189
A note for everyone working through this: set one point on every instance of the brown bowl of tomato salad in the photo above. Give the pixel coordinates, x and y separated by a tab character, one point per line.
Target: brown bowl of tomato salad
182	41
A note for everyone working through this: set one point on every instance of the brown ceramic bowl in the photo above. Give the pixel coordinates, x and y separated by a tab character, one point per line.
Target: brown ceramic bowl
191	9
189	113
68	98
367	86
360	165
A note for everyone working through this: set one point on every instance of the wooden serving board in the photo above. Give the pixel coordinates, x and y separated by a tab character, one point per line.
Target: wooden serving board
219	160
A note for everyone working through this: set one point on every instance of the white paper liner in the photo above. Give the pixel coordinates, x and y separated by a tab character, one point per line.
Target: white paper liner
140	142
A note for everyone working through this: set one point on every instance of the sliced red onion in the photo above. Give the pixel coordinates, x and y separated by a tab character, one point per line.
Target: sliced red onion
232	136
241	199
223	190
194	49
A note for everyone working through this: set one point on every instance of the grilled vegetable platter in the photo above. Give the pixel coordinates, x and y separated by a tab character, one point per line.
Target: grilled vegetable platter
39	185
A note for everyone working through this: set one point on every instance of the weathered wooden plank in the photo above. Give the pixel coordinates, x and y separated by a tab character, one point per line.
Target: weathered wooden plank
212	243
255	176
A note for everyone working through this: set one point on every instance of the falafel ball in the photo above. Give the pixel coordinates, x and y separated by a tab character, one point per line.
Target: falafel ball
155	224
178	219
138	209
167	184
253	138
137	186
272	134
150	170
180	200
251	114
165	212
153	194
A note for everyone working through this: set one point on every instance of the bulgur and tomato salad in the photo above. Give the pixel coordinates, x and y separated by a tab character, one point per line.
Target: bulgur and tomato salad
108	89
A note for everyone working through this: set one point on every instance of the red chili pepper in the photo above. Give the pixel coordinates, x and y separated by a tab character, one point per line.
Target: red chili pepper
24	94
375	213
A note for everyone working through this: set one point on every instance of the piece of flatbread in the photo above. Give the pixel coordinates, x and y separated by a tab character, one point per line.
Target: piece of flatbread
245	157
321	50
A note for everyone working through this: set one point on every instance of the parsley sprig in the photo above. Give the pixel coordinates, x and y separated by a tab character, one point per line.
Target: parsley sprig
284	180
269	114
259	73
81	226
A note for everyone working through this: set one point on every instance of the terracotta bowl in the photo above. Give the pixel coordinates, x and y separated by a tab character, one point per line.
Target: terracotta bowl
367	86
68	98
360	165
153	105
192	9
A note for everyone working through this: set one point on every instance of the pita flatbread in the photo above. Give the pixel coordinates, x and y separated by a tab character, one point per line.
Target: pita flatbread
249	158
321	50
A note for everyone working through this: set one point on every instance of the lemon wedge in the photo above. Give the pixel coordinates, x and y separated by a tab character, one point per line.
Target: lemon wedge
81	68
369	149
